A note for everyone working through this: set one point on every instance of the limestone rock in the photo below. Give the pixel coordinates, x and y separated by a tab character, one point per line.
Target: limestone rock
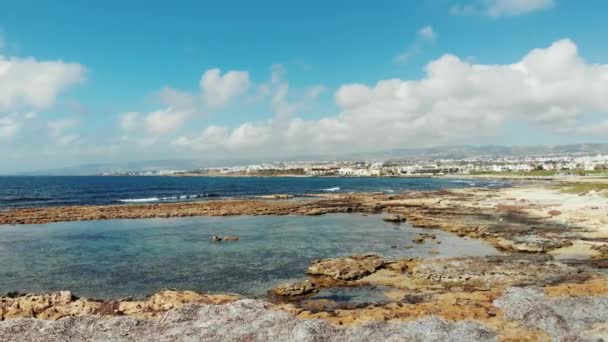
295	289
350	268
494	270
243	320
531	243
395	218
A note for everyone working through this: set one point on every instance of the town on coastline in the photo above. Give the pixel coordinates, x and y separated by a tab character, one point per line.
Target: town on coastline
505	166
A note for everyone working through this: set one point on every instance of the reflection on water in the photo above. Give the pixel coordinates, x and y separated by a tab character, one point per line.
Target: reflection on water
118	258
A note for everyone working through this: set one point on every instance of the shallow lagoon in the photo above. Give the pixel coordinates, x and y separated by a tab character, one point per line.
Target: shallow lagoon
119	258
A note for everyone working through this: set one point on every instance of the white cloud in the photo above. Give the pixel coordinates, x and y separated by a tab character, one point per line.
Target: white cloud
427	33
456	102
156	123
29	83
165	120
9	126
129	121
58	127
218	90
178	99
502	8
315	91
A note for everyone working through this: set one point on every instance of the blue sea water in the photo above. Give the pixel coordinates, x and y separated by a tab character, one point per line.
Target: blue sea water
118	258
19	192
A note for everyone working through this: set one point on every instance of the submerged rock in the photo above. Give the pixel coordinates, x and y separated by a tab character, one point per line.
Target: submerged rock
421	238
218	238
350	268
395	218
295	289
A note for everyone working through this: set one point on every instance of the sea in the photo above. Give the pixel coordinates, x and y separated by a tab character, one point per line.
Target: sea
43	191
135	258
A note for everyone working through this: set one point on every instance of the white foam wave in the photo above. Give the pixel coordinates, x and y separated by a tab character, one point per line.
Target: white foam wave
167	198
463	181
331	189
140	200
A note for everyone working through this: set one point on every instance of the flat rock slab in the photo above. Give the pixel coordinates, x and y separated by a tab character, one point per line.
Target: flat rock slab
350	268
496	270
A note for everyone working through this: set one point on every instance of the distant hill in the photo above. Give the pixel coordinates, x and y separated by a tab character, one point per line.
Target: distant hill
445	152
462	152
101	168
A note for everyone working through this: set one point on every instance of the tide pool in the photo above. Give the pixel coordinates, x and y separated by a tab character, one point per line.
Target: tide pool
120	258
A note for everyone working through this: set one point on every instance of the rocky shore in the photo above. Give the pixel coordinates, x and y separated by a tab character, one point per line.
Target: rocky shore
551	283
509	298
529	217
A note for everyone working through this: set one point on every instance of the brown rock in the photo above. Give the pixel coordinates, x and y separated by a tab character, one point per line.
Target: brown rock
56	305
350	268
296	289
395	218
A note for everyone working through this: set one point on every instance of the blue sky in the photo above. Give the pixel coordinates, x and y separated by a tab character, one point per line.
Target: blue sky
114	81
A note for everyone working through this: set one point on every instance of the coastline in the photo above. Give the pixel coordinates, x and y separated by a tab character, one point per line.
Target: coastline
556	245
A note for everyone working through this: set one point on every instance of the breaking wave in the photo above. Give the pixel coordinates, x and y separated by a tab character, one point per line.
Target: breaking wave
331	189
167	198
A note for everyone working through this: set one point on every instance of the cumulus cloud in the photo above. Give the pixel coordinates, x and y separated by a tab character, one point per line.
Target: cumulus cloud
165	120
29	83
502	8
456	101
158	122
216	91
219	89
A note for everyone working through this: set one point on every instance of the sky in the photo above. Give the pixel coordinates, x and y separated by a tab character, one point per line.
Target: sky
117	81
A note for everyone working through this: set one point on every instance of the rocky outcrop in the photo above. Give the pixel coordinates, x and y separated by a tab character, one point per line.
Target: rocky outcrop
350	268
243	320
64	304
531	243
495	270
300	288
564	319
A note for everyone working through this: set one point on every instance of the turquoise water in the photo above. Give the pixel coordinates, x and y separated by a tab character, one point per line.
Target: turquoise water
119	258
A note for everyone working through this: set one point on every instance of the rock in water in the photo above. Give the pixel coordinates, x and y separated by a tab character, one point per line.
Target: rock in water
224	238
351	268
395	218
296	289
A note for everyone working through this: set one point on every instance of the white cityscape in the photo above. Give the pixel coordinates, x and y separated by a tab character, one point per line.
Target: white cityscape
566	165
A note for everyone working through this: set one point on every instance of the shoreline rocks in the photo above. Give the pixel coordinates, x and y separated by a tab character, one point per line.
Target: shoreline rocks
61	304
296	289
396	218
350	268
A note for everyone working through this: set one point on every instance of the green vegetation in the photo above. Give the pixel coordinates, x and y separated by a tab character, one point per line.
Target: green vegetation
543	173
582	187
